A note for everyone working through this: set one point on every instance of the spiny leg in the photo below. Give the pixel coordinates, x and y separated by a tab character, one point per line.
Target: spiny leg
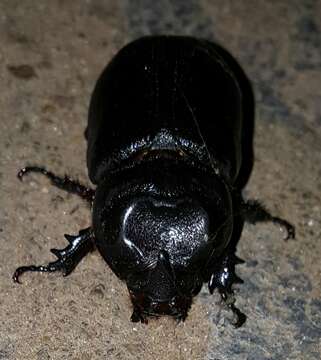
254	212
64	183
68	258
222	278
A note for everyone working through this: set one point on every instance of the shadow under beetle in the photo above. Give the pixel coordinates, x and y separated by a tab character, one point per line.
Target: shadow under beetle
169	148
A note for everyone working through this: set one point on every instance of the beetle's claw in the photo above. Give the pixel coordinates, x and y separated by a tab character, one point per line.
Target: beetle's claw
289	228
19	271
21	173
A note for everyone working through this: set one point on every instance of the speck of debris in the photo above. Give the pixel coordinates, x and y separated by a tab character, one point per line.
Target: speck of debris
23	71
310	222
98	291
75	209
25	127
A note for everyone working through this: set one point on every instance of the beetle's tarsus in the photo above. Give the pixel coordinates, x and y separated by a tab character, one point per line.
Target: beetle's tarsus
181	317
138	316
64	183
240	316
254	212
222	278
68	258
227	296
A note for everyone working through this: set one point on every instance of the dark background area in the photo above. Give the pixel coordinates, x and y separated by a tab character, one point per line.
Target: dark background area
51	54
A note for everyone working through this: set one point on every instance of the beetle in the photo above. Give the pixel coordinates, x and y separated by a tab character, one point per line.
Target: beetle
169	136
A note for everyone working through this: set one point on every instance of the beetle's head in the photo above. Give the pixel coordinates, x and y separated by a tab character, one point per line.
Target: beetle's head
159	291
160	238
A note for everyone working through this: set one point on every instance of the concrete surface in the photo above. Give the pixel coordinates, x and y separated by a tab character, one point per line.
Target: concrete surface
51	54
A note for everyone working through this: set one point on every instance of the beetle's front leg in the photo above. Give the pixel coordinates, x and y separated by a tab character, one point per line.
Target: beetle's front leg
223	277
138	316
68	258
64	183
253	212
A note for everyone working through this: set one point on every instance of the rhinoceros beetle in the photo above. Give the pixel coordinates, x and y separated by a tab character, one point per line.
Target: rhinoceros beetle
169	150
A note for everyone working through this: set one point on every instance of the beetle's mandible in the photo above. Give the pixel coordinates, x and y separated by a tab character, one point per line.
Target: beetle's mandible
169	150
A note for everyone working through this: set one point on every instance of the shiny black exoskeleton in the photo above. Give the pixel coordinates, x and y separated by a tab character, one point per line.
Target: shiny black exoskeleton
169	149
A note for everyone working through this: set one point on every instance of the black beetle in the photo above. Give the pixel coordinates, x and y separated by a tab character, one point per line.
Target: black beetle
170	149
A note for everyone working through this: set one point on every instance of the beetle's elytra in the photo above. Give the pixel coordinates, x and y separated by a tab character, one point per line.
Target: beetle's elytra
169	150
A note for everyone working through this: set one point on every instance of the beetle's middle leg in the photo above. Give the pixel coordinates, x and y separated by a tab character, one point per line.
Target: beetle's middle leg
254	212
68	258
64	183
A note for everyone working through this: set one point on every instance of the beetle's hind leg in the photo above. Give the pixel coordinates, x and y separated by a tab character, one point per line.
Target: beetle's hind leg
68	258
254	212
222	278
64	183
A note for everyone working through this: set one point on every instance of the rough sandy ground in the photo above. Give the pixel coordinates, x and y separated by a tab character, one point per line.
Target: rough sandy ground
50	56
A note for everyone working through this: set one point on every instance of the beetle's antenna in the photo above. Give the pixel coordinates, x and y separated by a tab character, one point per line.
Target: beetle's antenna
215	168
